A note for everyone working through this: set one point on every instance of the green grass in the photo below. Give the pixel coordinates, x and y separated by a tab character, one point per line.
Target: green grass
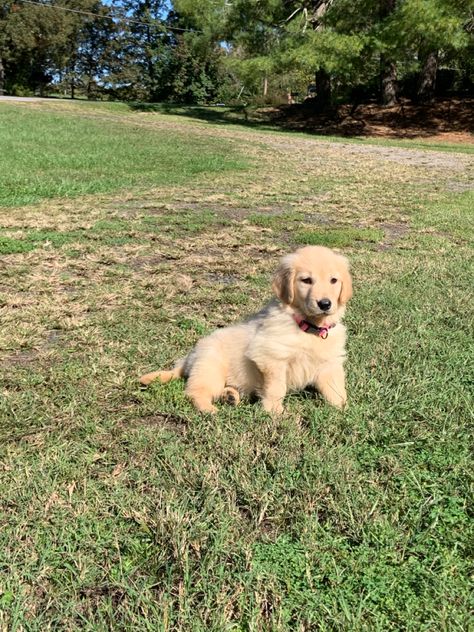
266	220
124	509
44	156
37	238
338	237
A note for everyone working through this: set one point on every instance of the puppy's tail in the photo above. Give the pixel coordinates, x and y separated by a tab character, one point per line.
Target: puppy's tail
164	376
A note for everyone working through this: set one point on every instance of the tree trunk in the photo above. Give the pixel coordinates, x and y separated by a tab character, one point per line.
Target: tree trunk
388	69
427	81
388	82
2	78
72	88
265	86
323	89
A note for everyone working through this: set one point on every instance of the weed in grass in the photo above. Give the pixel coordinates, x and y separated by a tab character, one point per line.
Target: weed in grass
10	246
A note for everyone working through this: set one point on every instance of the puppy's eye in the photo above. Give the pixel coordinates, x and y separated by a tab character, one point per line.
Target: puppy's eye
307	280
333	280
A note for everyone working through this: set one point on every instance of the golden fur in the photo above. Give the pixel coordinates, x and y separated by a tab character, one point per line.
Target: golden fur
268	354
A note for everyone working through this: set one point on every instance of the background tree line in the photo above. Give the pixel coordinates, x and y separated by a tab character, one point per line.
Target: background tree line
207	51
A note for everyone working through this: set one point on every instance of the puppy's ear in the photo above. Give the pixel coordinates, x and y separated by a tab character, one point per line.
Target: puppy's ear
346	291
283	281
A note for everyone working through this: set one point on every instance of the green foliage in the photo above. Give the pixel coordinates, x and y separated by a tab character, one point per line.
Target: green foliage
204	52
433	24
347	39
339	54
191	74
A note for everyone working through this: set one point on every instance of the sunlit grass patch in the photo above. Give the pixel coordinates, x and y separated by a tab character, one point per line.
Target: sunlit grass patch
44	156
183	221
9	245
114	232
338	237
35	238
450	214
276	220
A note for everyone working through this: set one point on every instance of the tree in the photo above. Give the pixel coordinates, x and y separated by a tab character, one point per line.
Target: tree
143	42
322	49
433	31
5	8
197	50
28	35
44	43
196	70
95	49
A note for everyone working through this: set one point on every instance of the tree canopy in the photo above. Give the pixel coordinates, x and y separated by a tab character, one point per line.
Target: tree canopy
205	51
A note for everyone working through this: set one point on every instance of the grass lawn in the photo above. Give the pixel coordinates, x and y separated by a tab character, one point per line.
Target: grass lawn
125	236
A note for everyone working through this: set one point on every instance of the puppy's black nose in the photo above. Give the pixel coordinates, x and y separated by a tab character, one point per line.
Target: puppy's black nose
324	304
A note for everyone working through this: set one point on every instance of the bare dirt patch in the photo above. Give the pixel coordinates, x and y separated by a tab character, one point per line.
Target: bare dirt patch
410	156
24	358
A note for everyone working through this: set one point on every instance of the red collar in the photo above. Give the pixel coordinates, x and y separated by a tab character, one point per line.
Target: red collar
303	324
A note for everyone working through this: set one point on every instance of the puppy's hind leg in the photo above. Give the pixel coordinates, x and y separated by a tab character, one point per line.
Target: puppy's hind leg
206	383
163	376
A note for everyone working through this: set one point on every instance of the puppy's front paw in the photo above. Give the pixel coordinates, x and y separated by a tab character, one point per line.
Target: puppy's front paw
273	407
207	408
230	396
337	400
331	384
340	404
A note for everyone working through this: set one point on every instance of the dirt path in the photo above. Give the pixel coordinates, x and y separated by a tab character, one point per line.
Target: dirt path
7	99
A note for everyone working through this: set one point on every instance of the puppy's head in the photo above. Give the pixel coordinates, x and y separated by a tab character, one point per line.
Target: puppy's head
316	281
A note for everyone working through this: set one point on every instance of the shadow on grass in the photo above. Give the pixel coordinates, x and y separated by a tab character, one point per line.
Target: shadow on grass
404	121
226	115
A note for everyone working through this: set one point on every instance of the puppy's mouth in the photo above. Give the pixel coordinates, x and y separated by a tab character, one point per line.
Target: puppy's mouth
313	311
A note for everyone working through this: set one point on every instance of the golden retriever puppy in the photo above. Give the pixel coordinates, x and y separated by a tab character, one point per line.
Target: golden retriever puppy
295	341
